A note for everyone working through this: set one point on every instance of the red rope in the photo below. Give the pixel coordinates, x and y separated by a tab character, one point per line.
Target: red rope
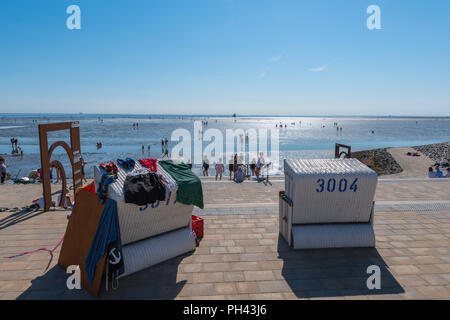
40	249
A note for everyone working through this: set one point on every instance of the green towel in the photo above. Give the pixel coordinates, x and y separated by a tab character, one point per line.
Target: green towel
189	185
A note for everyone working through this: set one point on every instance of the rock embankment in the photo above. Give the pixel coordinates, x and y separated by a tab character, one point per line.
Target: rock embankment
380	160
439	152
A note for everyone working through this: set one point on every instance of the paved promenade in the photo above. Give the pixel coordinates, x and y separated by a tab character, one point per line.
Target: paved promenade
242	256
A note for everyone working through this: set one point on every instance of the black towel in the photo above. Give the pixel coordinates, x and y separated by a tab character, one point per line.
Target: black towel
145	188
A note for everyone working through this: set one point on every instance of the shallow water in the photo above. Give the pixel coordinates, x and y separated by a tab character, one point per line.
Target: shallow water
304	137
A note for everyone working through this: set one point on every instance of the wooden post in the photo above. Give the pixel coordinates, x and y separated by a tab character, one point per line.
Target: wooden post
45	168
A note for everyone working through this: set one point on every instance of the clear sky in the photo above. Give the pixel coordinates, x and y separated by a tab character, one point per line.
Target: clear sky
223	56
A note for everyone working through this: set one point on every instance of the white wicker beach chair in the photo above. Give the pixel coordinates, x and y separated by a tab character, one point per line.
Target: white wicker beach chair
327	204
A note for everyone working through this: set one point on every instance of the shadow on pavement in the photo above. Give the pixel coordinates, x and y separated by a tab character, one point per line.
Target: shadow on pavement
157	282
19	216
322	273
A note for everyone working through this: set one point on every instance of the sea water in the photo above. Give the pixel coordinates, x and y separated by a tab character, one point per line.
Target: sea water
303	137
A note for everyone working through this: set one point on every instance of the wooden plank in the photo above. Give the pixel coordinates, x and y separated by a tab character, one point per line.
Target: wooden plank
48	127
80	232
76	150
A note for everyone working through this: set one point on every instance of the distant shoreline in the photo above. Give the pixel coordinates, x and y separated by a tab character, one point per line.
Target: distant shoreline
163	116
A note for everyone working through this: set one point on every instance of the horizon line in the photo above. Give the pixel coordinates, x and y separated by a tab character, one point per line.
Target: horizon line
225	115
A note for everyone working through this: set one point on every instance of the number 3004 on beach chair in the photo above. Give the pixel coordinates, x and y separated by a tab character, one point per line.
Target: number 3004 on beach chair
327	204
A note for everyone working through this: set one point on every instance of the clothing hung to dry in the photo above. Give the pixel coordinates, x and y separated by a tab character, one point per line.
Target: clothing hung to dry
149	164
142	189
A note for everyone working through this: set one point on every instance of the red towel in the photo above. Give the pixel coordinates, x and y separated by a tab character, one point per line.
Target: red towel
149	163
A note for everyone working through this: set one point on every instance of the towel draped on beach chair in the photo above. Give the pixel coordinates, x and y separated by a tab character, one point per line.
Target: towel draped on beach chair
189	185
107	233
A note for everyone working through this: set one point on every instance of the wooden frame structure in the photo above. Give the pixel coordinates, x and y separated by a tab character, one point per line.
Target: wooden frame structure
338	153
74	153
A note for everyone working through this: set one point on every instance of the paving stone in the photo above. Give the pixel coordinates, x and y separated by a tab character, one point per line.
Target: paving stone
208	277
242	257
234	276
259	275
226	288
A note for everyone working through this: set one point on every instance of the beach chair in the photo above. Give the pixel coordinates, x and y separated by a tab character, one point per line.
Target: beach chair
327	204
150	234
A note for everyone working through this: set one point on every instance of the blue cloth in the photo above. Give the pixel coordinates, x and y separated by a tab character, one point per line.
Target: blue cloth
108	231
239	176
107	179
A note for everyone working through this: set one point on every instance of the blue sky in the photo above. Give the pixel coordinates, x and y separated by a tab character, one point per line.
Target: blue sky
224	56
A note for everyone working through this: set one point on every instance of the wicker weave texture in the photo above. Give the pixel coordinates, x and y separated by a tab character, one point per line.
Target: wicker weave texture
330	190
146	253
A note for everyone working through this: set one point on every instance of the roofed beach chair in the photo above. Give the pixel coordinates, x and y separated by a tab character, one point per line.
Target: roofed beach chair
327	204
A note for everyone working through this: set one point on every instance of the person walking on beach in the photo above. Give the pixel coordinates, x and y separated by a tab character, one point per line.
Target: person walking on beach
3	174
83	163
58	174
220	168
205	166
166	153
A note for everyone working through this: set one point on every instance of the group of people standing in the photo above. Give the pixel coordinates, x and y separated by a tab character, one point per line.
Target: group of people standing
236	167
338	129
164	148
143	149
16	150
